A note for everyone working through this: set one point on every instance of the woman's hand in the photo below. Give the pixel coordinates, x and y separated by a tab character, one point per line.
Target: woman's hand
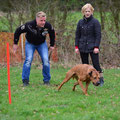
96	50
76	50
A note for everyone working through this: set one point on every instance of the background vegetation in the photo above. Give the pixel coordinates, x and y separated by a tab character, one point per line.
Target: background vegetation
64	15
39	102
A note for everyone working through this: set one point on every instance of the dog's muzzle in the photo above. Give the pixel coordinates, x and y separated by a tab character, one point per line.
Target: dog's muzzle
97	84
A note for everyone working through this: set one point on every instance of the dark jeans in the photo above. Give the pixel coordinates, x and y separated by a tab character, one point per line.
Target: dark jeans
94	58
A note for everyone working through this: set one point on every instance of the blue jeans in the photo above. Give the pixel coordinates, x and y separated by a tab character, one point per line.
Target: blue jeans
29	52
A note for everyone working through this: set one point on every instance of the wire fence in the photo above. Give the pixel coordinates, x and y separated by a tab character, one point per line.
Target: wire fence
6	37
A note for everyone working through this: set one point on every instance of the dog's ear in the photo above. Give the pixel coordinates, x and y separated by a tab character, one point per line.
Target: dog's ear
90	73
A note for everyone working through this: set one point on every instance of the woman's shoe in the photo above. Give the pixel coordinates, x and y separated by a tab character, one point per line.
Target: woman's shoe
101	81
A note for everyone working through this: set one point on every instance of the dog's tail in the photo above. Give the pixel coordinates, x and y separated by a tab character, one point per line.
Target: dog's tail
69	75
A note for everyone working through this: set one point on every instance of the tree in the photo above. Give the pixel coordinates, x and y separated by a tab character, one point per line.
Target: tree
115	10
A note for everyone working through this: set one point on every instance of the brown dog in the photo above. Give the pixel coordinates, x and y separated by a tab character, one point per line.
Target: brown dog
82	73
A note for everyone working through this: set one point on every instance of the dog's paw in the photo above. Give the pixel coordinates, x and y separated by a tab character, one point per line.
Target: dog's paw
73	89
86	94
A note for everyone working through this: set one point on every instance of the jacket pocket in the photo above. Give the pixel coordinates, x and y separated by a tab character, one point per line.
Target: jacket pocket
81	44
91	46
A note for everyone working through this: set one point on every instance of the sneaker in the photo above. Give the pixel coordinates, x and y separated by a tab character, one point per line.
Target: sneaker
101	81
47	83
25	83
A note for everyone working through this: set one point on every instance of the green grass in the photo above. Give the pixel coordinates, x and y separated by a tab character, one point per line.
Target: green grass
39	102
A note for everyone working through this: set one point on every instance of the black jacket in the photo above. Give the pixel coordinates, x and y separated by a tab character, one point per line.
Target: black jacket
34	34
88	34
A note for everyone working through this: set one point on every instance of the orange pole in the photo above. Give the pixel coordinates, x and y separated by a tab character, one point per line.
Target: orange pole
8	71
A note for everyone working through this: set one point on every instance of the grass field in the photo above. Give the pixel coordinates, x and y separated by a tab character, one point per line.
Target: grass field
40	102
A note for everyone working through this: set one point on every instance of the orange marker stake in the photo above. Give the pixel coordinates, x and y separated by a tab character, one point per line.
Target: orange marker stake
8	71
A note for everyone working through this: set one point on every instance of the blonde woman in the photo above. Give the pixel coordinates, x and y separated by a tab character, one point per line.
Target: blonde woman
88	37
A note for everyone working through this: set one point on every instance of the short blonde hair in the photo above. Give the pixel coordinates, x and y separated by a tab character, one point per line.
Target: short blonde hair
88	5
40	14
